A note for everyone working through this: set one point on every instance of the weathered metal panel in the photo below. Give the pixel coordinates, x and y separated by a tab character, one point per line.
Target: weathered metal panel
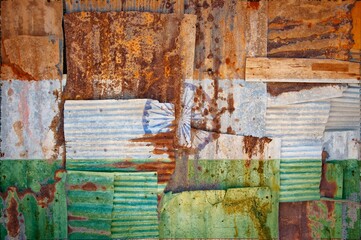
300	179
227	32
135	213
337	216
234	213
32	39
120	135
300	127
90	204
214	146
342	145
310	29
160	6
33	203
31	120
345	110
229	106
32	58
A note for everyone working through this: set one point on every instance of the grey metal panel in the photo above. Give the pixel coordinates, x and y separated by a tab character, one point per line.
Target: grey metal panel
342	145
30	120
229	106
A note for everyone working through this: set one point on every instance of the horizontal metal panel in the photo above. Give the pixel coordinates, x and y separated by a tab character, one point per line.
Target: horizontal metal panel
175	6
232	213
229	106
120	135
303	29
214	146
345	110
31	120
135	213
90	204
300	180
33	200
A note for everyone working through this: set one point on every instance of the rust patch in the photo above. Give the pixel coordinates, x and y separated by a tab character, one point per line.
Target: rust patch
256	211
10	92
18	128
330	67
276	89
254	145
327	188
13	225
76	218
230	101
292	221
253	4
89	187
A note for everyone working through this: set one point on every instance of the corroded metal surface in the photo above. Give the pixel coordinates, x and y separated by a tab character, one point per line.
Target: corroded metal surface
229	106
89	204
33	202
306	29
135	206
32	39
31	58
160	6
120	135
227	32
232	213
31	120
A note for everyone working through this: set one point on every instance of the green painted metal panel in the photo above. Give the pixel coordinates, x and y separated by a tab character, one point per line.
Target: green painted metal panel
33	202
135	212
300	179
232	213
90	204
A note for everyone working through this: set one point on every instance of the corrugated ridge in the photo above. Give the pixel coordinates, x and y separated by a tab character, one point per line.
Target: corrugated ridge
160	6
135	205
345	111
300	179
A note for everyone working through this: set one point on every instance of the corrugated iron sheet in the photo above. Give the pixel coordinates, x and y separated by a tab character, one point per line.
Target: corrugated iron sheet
160	6
229	106
33	202
234	213
120	135
227	32
112	205
309	29
345	110
90	204
300	127
337	216
135	213
31	120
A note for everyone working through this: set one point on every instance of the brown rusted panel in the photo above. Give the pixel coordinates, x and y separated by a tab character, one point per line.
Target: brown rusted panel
310	29
276	89
160	6
129	55
31	58
227	32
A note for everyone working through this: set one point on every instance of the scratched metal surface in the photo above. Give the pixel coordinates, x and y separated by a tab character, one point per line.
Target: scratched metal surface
120	135
33	200
31	120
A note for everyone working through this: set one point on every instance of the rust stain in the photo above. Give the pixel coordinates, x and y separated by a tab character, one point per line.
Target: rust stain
10	92
13	224
18	128
254	145
88	186
254	209
76	218
330	67
253	4
327	188
230	101
276	89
